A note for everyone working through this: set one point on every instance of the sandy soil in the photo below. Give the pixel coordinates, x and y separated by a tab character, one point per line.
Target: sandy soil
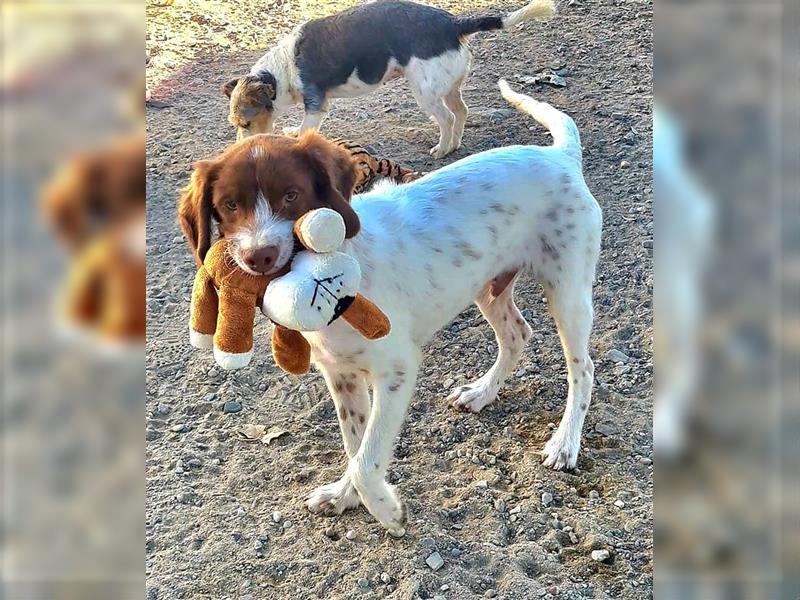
225	517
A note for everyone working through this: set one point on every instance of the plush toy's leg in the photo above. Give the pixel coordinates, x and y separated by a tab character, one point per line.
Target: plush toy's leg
204	311
367	319
233	339
291	351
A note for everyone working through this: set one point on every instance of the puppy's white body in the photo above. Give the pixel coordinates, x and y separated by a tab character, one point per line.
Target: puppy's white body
429	248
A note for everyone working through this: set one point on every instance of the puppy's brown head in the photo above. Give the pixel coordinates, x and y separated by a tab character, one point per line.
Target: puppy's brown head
257	189
251	108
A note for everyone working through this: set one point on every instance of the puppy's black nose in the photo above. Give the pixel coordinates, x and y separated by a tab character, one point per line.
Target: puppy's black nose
261	260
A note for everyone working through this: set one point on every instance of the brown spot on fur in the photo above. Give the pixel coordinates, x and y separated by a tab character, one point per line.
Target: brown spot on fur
343	413
584	406
575	360
351	387
352	413
353	429
361	419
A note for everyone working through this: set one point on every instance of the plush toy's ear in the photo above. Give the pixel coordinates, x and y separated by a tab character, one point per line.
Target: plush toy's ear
334	177
194	209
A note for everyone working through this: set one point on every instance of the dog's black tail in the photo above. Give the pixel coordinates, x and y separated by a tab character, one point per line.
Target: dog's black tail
537	9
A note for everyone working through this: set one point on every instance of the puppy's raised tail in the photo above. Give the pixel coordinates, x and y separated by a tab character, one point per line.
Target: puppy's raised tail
535	10
561	126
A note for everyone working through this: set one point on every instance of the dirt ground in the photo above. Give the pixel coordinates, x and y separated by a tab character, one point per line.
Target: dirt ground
225	517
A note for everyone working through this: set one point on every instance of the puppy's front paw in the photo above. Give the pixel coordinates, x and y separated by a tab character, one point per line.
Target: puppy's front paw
561	452
333	498
384	504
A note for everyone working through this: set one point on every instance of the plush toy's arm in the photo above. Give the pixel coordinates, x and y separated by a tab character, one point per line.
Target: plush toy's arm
320	230
233	339
205	306
291	351
83	290
367	319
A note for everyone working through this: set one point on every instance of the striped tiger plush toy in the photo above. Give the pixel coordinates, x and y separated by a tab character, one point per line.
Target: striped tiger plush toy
369	167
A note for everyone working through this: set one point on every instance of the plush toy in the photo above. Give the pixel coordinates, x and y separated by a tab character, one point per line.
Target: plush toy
321	286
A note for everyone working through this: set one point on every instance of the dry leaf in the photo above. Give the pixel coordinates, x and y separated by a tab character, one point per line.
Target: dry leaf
251	433
273	434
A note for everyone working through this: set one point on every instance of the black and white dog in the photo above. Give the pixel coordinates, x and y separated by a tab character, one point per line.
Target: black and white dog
354	52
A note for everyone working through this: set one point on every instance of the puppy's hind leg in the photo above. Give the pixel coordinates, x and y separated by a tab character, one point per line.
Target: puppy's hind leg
570	303
456	104
512	333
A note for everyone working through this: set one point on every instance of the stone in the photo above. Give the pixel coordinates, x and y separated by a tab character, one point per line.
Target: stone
547	499
350	535
363	582
490	593
276	517
385	577
231	406
601	555
616	356
435	561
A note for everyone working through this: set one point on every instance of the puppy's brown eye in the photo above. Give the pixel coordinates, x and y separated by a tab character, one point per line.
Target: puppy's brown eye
290	197
230	205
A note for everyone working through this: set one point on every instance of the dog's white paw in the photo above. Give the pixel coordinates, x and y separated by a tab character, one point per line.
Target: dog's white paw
473	397
291	131
333	498
438	152
561	452
385	505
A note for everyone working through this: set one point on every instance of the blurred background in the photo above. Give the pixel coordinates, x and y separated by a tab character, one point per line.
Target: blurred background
726	422
727	419
72	92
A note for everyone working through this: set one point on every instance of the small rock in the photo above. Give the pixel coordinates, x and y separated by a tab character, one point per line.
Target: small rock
363	582
547	499
435	561
213	373
482	483
520	373
456	552
601	555
616	356
385	577
330	532
287	524
231	406
516	510
619	504
179	428
163	409
444	587
490	593
276	517
350	535
594	495
449	383
624	164
606	429
500	505
646	460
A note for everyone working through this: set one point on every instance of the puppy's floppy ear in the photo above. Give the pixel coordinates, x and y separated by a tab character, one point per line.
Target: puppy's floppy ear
334	177
194	208
227	89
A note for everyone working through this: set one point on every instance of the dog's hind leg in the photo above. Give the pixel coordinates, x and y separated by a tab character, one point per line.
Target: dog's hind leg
512	333
455	103
570	302
351	398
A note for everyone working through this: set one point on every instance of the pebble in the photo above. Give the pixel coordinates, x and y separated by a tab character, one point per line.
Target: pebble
213	372
601	555
520	373
605	429
163	409
500	505
287	524
276	517
547	499
330	532
179	428
624	164
231	406
444	587
363	582
616	356
490	593
516	510
646	460
385	577
449	383
594	495
619	504
350	535
435	561
456	552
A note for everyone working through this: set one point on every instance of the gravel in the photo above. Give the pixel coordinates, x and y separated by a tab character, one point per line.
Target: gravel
435	561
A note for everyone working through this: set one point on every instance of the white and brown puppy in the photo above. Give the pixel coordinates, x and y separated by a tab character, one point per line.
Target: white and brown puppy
426	249
354	52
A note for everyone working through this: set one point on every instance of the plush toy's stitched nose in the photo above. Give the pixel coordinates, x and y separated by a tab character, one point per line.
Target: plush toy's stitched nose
261	260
